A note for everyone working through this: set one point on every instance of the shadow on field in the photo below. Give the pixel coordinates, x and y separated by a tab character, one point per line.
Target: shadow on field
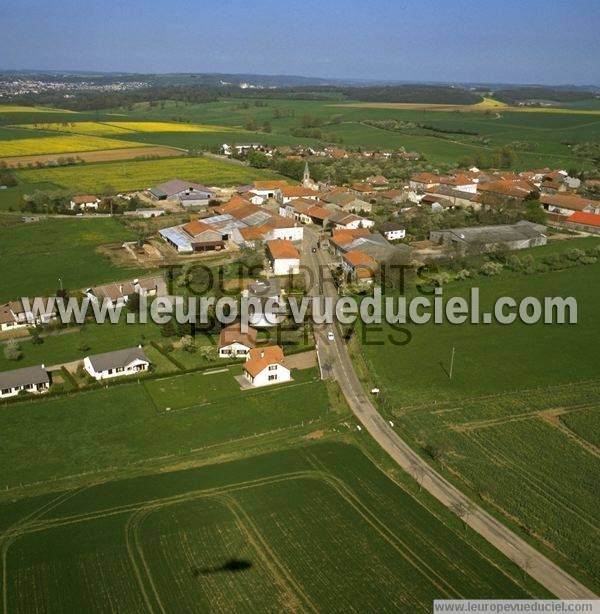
230	566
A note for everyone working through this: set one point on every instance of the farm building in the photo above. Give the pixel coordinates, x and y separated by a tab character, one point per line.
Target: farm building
193	237
84	202
587	222
234	343
521	235
568	204
35	380
117	364
283	256
265	366
179	190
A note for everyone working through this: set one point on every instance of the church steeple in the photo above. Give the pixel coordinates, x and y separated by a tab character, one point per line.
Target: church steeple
306	177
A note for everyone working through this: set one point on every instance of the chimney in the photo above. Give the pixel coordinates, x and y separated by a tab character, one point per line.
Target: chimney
136	282
121	288
262	354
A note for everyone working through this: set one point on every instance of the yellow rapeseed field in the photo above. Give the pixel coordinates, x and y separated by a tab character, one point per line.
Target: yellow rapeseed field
490	103
167	127
60	144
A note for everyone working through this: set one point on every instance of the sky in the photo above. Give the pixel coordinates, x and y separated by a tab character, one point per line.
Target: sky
508	41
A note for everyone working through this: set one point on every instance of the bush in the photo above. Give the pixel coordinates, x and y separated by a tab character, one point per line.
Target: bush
491	268
188	344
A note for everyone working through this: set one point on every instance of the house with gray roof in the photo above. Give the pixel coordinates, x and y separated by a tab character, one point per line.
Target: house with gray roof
34	380
117	364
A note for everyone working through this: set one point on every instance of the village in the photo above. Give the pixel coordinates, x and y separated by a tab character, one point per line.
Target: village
362	227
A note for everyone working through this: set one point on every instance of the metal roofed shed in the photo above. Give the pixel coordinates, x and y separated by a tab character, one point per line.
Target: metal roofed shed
521	235
177	238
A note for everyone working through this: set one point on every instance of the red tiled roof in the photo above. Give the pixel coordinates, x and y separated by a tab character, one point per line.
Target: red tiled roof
232	334
297	191
568	201
269	185
581	217
195	227
281	248
363	264
347	235
261	358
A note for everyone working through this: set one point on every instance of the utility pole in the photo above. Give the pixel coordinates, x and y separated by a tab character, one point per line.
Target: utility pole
60	283
452	362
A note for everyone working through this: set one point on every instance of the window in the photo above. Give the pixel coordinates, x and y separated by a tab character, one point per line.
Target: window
272	377
272	367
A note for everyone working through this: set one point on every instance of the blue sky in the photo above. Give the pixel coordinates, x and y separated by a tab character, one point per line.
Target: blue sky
528	41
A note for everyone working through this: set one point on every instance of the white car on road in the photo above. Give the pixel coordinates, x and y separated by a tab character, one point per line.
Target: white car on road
330	336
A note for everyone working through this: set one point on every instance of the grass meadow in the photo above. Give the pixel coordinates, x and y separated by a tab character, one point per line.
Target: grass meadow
35	255
296	529
133	423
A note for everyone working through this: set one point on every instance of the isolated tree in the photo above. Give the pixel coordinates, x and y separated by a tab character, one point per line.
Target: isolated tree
12	350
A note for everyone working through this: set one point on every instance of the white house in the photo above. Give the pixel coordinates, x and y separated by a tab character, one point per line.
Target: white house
85	201
271	306
34	380
269	189
264	366
117	293
116	364
392	231
14	315
292	192
284	257
350	221
234	343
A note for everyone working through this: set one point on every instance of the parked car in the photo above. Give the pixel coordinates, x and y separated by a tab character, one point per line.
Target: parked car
330	336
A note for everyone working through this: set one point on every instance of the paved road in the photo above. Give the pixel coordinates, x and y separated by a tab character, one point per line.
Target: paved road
336	355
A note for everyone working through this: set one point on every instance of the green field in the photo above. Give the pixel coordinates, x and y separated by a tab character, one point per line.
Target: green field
316	528
35	255
497	428
107	428
547	133
539	137
139	175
